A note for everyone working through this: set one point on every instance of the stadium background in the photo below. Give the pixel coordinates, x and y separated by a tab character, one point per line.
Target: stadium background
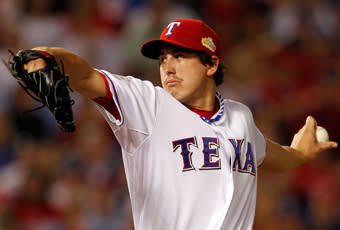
282	59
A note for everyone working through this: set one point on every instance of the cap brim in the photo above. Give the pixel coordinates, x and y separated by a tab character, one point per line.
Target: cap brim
152	48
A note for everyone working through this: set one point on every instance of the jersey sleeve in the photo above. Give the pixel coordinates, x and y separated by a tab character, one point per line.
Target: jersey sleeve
107	101
260	140
260	147
129	107
242	121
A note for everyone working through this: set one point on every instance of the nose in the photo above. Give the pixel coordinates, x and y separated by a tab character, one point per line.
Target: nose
170	65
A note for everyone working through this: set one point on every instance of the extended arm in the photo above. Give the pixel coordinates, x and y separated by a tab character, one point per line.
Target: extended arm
303	148
82	77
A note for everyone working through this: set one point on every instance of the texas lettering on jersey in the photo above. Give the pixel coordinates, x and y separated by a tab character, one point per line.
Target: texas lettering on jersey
248	165
210	150
243	160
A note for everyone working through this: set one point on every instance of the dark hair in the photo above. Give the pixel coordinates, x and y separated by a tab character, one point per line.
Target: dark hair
207	60
204	57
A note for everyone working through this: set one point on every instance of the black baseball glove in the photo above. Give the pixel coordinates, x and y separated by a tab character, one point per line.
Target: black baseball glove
49	85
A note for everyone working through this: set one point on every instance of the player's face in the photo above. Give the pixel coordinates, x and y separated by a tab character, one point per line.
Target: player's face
184	76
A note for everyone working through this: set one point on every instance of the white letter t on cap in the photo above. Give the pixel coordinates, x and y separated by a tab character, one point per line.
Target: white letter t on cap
171	26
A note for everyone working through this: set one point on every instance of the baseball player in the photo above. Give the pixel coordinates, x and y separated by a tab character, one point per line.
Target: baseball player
191	157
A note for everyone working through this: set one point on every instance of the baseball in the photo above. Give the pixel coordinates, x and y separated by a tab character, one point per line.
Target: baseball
321	134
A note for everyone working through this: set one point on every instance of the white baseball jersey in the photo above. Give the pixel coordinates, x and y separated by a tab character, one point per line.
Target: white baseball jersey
184	172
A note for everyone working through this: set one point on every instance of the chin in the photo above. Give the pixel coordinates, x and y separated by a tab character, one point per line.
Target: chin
173	93
178	97
176	94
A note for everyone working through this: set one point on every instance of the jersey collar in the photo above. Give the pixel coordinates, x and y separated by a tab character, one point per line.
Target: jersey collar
219	113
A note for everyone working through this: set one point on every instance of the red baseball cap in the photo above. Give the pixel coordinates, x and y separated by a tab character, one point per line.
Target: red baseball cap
187	33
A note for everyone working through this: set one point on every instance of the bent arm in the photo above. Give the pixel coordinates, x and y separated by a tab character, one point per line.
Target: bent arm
303	148
281	158
82	77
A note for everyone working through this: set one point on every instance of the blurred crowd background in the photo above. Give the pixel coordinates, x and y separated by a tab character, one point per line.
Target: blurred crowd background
282	59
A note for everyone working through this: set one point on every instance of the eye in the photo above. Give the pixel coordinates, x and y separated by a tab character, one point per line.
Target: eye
179	56
161	59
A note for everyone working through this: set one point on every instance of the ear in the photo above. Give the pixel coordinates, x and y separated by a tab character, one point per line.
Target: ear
213	68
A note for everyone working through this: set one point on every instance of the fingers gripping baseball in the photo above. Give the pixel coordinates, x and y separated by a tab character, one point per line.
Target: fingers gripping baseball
306	143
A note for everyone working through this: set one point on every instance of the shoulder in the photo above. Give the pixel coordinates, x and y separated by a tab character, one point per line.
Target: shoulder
121	80
238	112
236	106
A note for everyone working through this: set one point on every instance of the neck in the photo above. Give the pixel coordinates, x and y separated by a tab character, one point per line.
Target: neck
203	103
206	104
204	100
207	113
